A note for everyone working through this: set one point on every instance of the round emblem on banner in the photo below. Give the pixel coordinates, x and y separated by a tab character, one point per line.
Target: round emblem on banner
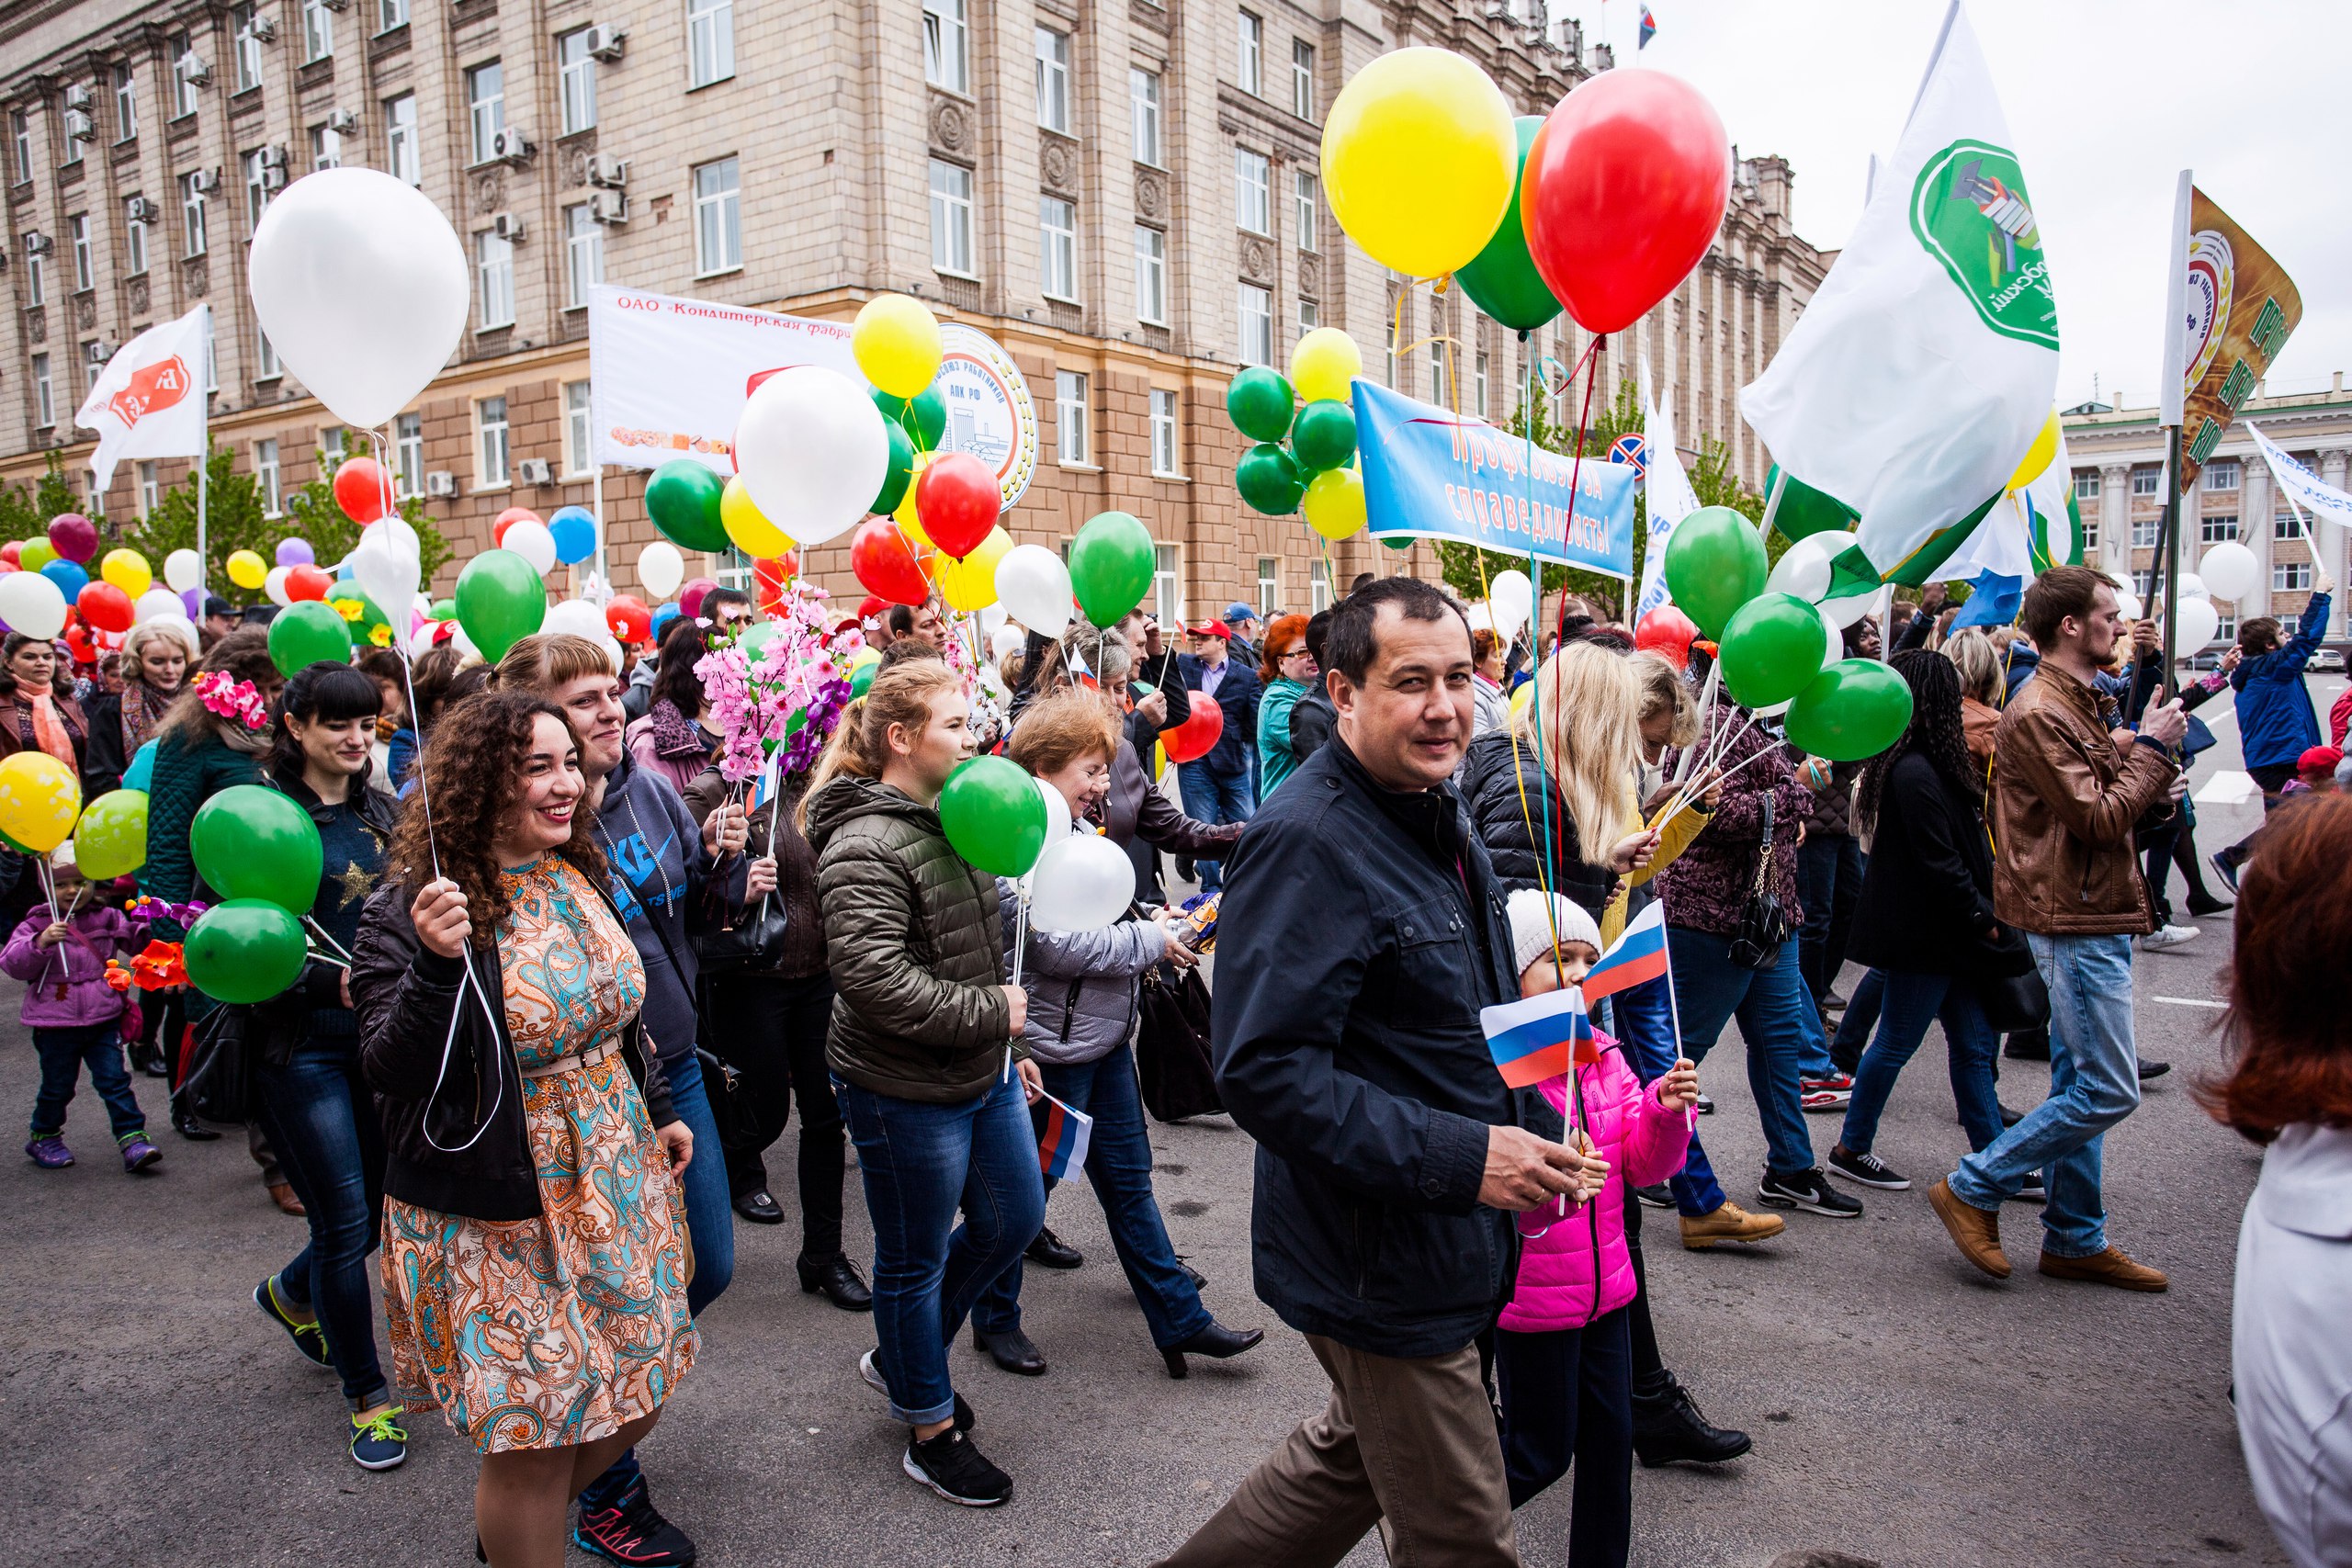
1969	210
989	410
2206	301
1631	450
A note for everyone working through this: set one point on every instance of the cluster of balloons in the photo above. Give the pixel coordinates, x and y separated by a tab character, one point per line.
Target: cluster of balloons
1007	823
46	587
41	808
261	853
1302	459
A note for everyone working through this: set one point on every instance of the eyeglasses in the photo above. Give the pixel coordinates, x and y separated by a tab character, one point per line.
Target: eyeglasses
1300	651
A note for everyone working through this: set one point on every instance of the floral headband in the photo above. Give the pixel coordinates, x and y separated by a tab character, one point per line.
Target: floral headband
233	699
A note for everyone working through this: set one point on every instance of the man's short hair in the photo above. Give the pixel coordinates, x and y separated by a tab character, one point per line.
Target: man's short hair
2258	636
1363	580
719	599
1318	636
901	619
1350	641
2061	592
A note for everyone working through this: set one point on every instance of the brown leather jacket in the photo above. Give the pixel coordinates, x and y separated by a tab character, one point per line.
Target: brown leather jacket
2063	806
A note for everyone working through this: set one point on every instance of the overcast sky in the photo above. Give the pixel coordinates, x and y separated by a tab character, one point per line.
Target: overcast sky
2106	100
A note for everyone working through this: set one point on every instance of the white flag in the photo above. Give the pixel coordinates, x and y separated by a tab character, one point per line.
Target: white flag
1917	380
2306	488
149	401
1668	498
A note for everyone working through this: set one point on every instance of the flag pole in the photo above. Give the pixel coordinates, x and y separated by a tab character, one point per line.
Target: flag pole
2168	558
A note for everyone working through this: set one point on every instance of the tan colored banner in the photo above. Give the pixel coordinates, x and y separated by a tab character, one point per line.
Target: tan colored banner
2240	308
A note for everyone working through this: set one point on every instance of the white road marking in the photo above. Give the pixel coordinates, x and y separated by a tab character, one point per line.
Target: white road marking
2190	1001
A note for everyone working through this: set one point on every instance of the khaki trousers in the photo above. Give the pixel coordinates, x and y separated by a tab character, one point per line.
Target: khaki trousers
1409	1444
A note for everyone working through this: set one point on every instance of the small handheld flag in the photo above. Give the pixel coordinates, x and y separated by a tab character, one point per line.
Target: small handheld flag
1077	669
1061	1146
1539	1038
1638	954
763	785
1649	30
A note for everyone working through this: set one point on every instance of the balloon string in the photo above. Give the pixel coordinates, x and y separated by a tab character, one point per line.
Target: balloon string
377	444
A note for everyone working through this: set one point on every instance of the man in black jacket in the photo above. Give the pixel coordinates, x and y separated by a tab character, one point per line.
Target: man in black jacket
1361	933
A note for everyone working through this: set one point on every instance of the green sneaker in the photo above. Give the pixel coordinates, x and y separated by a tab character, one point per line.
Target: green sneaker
377	1441
309	1338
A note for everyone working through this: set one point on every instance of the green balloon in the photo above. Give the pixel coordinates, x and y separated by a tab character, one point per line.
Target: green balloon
1804	510
1324	436
863	677
35	554
902	469
1772	650
250	842
444	609
1260	401
682	500
499	602
1400	542
1269	479
923	417
245	951
1715	563
1501	279
308	632
993	816
111	840
756	637
1853	710
1111	565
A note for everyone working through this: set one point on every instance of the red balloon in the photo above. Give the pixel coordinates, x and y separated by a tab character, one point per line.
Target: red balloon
629	619
508	518
8	552
1666	632
308	582
73	537
106	607
885	564
1624	191
360	489
1198	734
957	500
690	597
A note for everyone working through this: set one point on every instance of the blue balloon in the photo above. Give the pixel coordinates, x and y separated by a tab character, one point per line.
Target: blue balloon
70	578
142	771
574	531
662	615
343	572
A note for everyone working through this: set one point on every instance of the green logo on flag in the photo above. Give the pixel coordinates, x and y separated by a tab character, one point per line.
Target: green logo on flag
1970	209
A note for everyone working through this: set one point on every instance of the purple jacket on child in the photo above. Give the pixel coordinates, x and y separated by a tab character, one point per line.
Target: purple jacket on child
66	985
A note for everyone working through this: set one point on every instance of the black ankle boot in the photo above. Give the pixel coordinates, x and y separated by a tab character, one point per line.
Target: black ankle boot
1216	1341
189	1127
1049	1251
1669	1429
1011	1350
837	1280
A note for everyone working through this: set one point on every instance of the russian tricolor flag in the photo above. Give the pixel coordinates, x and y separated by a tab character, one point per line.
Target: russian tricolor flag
1639	954
1078	667
1062	1145
1539	1038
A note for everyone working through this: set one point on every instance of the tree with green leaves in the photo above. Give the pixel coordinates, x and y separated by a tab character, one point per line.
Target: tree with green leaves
25	513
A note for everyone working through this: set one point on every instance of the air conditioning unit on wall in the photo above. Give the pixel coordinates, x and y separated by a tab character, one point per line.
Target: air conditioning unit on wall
510	145
441	482
343	122
141	209
608	207
507	226
533	471
192	69
605	42
606	172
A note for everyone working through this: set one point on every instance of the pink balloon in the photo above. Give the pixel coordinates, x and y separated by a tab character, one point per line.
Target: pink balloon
690	597
73	537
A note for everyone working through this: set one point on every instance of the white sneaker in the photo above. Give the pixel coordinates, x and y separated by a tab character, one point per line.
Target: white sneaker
872	1374
2166	936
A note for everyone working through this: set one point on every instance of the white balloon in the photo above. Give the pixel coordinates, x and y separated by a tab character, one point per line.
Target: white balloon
534	544
187	633
1083	882
614	658
1057	828
466	644
1845	612
1008	640
577	618
385	573
812	451
1804	570
1510	599
1835	649
274	586
397	530
1035	586
159	604
2194	624
363	289
659	568
420	642
183	569
1481	616
32	605
2193	587
2229	569
2128	603
2122	584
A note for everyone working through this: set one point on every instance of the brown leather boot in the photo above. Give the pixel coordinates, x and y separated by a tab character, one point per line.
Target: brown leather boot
1728	1221
1976	1232
2113	1266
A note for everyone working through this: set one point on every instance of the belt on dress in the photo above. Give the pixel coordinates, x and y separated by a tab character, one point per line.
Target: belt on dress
587	1058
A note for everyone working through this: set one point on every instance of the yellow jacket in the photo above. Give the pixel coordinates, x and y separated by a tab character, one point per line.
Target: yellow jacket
1688	824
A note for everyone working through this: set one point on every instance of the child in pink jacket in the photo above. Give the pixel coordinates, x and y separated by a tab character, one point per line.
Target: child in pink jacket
1563	1361
75	1017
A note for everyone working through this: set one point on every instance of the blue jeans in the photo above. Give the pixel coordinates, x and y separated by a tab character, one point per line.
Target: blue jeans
321	1120
1216	797
1644	1020
1829	884
1777	1018
63	1053
2094	1084
1860	1018
1913	1001
1118	1162
920	1161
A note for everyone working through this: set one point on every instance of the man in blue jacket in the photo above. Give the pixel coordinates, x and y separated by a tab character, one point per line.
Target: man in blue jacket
1221	786
2276	722
1361	931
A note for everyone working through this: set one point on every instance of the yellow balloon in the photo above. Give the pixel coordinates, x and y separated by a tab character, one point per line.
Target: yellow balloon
752	533
863	657
1334	503
1521	698
1324	364
908	524
2037	456
247	570
896	343
40	799
1419	159
970	584
127	569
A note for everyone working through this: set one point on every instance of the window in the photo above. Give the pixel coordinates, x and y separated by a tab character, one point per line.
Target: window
404	160
494	270
1478	386
1269	585
1319	586
126	103
946	44
718	218
258	191
247	46
327	147
20	131
2147	481
2213	530
1151	276
1163	434
318	30
2086	484
1302	79
1305	200
265	473
2090	538
1252	210
2143	532
1255	307
2287	576
408	455
1310	316
2227	631
94	499
36	278
212	359
183	90
191	215
1052	80
1143	103
710	42
1168	584
44	400
266	365
583	255
1440	376
2221	475
1249	70
1069	416
575	71
1057	246
77	234
486	107
577	446
2284	526
390	14
489	416
94	364
149	489
951	218
134	239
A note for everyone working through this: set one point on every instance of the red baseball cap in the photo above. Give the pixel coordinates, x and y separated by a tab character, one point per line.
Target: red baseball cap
2319	761
1209	628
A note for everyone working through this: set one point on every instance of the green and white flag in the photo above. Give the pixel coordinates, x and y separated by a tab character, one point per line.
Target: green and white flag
1918	379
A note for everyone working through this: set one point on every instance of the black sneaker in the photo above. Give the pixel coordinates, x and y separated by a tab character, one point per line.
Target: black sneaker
1809	1191
2030	1190
1868	1169
1706	1105
952	1467
633	1531
309	1338
2153	1069
1658	1196
1832	1002
2227	866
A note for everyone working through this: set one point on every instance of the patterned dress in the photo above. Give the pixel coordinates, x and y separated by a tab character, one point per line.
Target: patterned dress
558	1330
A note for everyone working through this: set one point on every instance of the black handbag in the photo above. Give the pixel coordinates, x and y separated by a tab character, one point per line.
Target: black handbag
1172	1046
752	944
217	1084
1763	923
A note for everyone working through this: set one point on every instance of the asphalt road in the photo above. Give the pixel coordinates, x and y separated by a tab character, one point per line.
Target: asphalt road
1905	1409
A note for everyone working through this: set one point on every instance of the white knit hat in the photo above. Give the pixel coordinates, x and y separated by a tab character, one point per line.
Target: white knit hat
1531	931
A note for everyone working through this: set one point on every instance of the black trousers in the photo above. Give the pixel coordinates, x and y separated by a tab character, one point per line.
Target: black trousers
1567	1395
1648	1367
771	1032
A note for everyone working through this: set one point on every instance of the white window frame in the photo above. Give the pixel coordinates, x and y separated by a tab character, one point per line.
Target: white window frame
2143	532
494	281
1250	61
718	216
1072	446
1253	311
1151	276
77	238
1057	247
408	455
148	490
193	218
494	457
2090	535
1478	371
1052	51
1441	377
326	148
36	279
1305	207
710	42
1270	582
94	364
1166	459
575	71
2284	526
184	92
579	434
258	191
135	243
1253	206
318	31
126	102
583	255
2212	530
2146	482
2087	483
1168	583
1310	316
266	365
20	131
244	47
44	395
1143	115
265	474
2291	576
1302	79
486	110
952	242
403	153
390	14
947	44
2223	475
1319	586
